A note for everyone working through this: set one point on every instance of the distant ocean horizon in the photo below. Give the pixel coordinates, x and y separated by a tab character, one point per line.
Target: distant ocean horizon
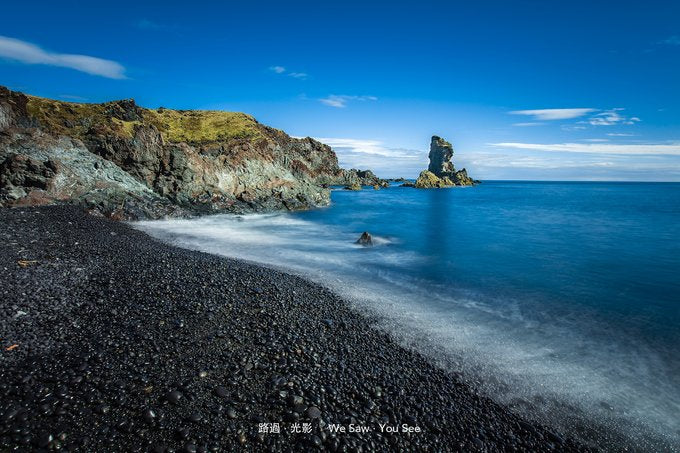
560	299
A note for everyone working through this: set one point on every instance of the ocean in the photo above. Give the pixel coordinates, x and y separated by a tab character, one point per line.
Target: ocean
560	300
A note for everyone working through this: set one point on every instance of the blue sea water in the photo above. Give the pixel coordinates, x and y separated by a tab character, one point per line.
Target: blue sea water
558	299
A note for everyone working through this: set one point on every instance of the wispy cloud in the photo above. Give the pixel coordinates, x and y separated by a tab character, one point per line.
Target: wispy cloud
672	41
672	149
595	117
611	118
620	134
384	160
277	69
298	75
554	114
530	124
341	100
573	127
282	70
585	167
25	52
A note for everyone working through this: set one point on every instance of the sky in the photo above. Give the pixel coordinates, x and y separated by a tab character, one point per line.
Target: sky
541	90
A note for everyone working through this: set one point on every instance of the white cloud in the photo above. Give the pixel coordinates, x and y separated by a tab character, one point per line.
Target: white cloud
554	114
586	167
611	118
572	127
596	117
283	70
277	69
341	100
528	124
596	140
25	52
385	161
672	149
620	134
479	160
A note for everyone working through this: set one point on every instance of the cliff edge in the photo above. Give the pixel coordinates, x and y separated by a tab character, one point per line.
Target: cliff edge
127	162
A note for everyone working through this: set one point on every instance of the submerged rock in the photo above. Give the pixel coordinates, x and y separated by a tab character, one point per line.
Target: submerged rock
365	239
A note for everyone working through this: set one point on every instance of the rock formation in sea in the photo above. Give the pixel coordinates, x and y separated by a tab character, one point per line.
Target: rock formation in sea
128	162
365	239
441	172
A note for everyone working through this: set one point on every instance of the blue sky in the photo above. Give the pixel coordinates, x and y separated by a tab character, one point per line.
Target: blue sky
523	90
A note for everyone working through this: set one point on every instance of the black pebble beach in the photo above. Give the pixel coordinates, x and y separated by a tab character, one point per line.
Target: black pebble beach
113	341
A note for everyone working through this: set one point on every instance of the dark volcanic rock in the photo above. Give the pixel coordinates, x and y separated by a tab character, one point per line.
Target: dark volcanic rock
365	239
98	351
441	172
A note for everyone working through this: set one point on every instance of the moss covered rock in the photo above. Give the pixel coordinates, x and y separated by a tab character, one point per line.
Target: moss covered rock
428	180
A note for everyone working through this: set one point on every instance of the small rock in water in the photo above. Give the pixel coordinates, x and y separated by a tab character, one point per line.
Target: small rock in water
365	239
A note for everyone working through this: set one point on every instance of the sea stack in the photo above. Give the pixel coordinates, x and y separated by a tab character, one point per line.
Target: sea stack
441	172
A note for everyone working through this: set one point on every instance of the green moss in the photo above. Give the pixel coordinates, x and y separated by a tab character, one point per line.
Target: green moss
201	126
76	119
191	126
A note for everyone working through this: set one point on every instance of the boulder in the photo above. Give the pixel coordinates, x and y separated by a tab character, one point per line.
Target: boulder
354	186
428	180
365	239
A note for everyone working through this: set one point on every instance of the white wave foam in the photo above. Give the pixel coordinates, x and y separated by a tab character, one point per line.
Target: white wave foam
524	354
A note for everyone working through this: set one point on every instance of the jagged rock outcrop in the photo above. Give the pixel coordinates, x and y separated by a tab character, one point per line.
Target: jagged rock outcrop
127	162
441	172
353	177
428	180
365	239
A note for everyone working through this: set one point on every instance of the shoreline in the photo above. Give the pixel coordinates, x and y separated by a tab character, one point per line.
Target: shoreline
127	343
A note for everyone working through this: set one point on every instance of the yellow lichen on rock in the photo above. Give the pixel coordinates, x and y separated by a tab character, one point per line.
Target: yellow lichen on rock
428	180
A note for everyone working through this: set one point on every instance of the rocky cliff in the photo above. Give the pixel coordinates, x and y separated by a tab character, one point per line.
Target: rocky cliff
441	172
128	162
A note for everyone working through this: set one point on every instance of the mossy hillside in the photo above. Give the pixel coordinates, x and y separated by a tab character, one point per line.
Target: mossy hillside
75	119
190	126
203	126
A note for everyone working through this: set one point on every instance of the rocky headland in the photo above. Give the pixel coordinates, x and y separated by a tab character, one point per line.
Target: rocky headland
441	172
124	161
